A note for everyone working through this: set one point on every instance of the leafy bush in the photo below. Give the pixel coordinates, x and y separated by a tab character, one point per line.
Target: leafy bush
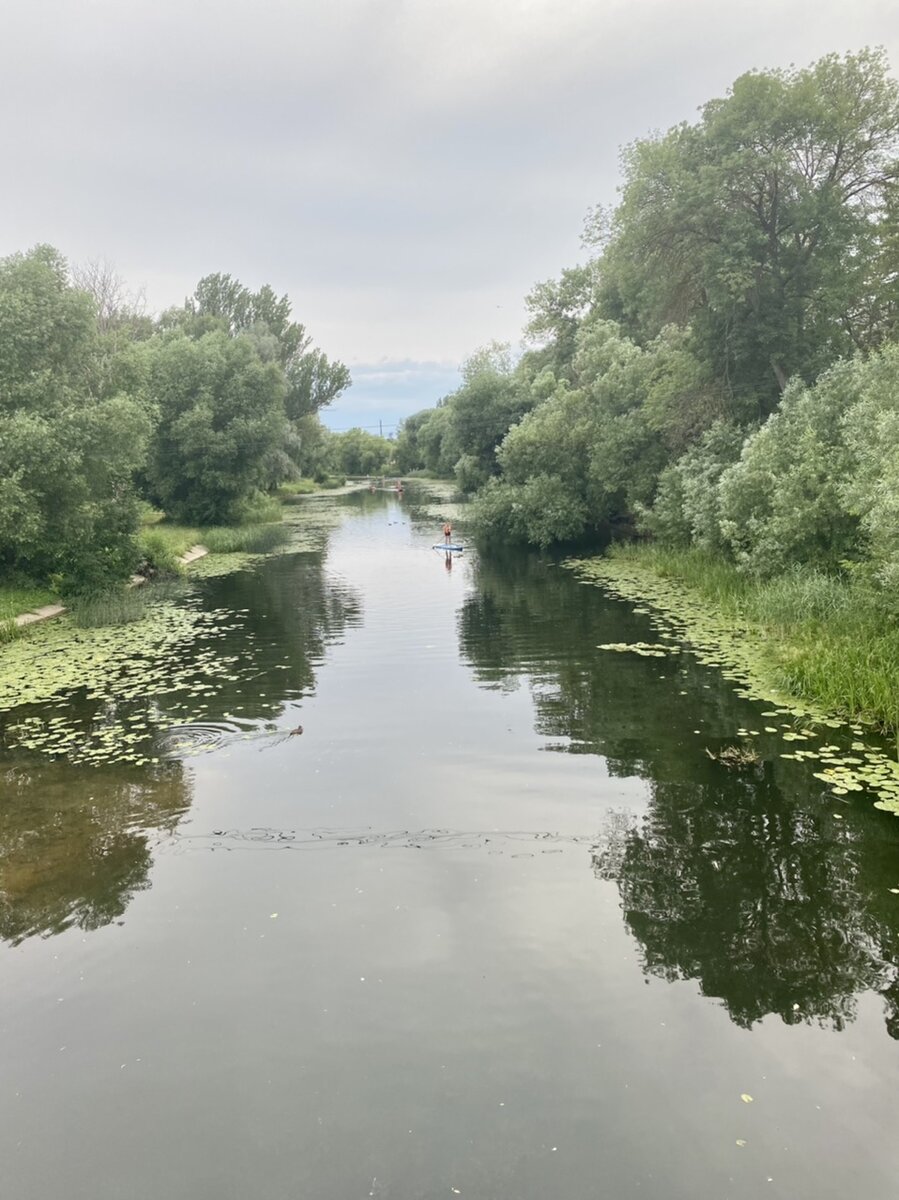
257	509
782	503
540	511
686	510
871	488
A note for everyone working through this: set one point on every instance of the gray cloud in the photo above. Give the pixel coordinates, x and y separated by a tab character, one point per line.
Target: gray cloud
405	170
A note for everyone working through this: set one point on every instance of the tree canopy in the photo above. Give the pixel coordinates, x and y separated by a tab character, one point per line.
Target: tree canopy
721	372
101	406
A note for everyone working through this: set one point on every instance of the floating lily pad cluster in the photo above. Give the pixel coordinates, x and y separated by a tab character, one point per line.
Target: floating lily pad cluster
646	649
130	694
678	613
104	695
215	565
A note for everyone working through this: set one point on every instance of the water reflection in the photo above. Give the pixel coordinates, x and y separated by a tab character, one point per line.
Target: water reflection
735	886
744	880
289	611
76	842
76	838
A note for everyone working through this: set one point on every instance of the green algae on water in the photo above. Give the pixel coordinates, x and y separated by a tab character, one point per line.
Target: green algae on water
716	641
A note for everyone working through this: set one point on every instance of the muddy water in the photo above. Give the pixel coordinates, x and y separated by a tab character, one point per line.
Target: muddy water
493	925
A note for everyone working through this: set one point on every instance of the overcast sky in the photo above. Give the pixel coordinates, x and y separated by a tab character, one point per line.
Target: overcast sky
405	171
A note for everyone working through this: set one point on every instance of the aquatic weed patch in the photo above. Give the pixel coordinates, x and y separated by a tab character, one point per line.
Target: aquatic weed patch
105	694
739	652
644	649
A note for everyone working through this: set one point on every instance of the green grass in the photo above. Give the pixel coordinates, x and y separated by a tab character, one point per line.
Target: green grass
163	544
298	487
258	510
713	577
424	473
246	539
118	606
828	639
21	598
123	605
9	630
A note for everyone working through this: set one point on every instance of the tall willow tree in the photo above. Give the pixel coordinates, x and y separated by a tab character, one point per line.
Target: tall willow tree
759	225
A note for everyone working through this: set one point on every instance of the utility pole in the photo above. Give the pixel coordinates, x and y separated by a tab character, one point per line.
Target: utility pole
381	427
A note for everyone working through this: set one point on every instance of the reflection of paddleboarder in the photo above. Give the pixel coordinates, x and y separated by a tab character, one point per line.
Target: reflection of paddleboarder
448	561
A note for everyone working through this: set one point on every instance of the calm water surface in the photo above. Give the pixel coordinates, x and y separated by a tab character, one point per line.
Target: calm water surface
494	925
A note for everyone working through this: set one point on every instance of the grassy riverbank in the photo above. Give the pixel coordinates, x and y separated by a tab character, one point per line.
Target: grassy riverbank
16	598
830	641
297	488
163	543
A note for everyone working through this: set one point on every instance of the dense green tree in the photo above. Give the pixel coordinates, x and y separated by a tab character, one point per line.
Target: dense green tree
311	380
758	224
67	454
220	416
587	456
222	302
408	454
47	333
555	309
492	398
357	452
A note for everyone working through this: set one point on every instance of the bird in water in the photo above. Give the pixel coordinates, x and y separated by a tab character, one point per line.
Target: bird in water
294	732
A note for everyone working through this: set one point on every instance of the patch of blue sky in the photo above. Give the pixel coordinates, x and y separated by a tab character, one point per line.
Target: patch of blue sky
384	393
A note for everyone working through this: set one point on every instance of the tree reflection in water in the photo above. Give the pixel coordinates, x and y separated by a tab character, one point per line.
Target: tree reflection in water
75	842
743	880
746	892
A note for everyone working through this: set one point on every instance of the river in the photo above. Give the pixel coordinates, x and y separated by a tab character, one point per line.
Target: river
493	925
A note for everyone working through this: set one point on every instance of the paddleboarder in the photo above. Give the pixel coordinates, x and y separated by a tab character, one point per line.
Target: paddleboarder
447	532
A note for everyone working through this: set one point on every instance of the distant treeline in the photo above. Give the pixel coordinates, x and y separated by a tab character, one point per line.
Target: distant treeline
198	412
724	370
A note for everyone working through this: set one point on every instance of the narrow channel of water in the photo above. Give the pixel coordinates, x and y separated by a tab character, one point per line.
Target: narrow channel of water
493	925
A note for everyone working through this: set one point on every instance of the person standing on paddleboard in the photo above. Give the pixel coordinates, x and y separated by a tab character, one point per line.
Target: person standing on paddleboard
447	532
